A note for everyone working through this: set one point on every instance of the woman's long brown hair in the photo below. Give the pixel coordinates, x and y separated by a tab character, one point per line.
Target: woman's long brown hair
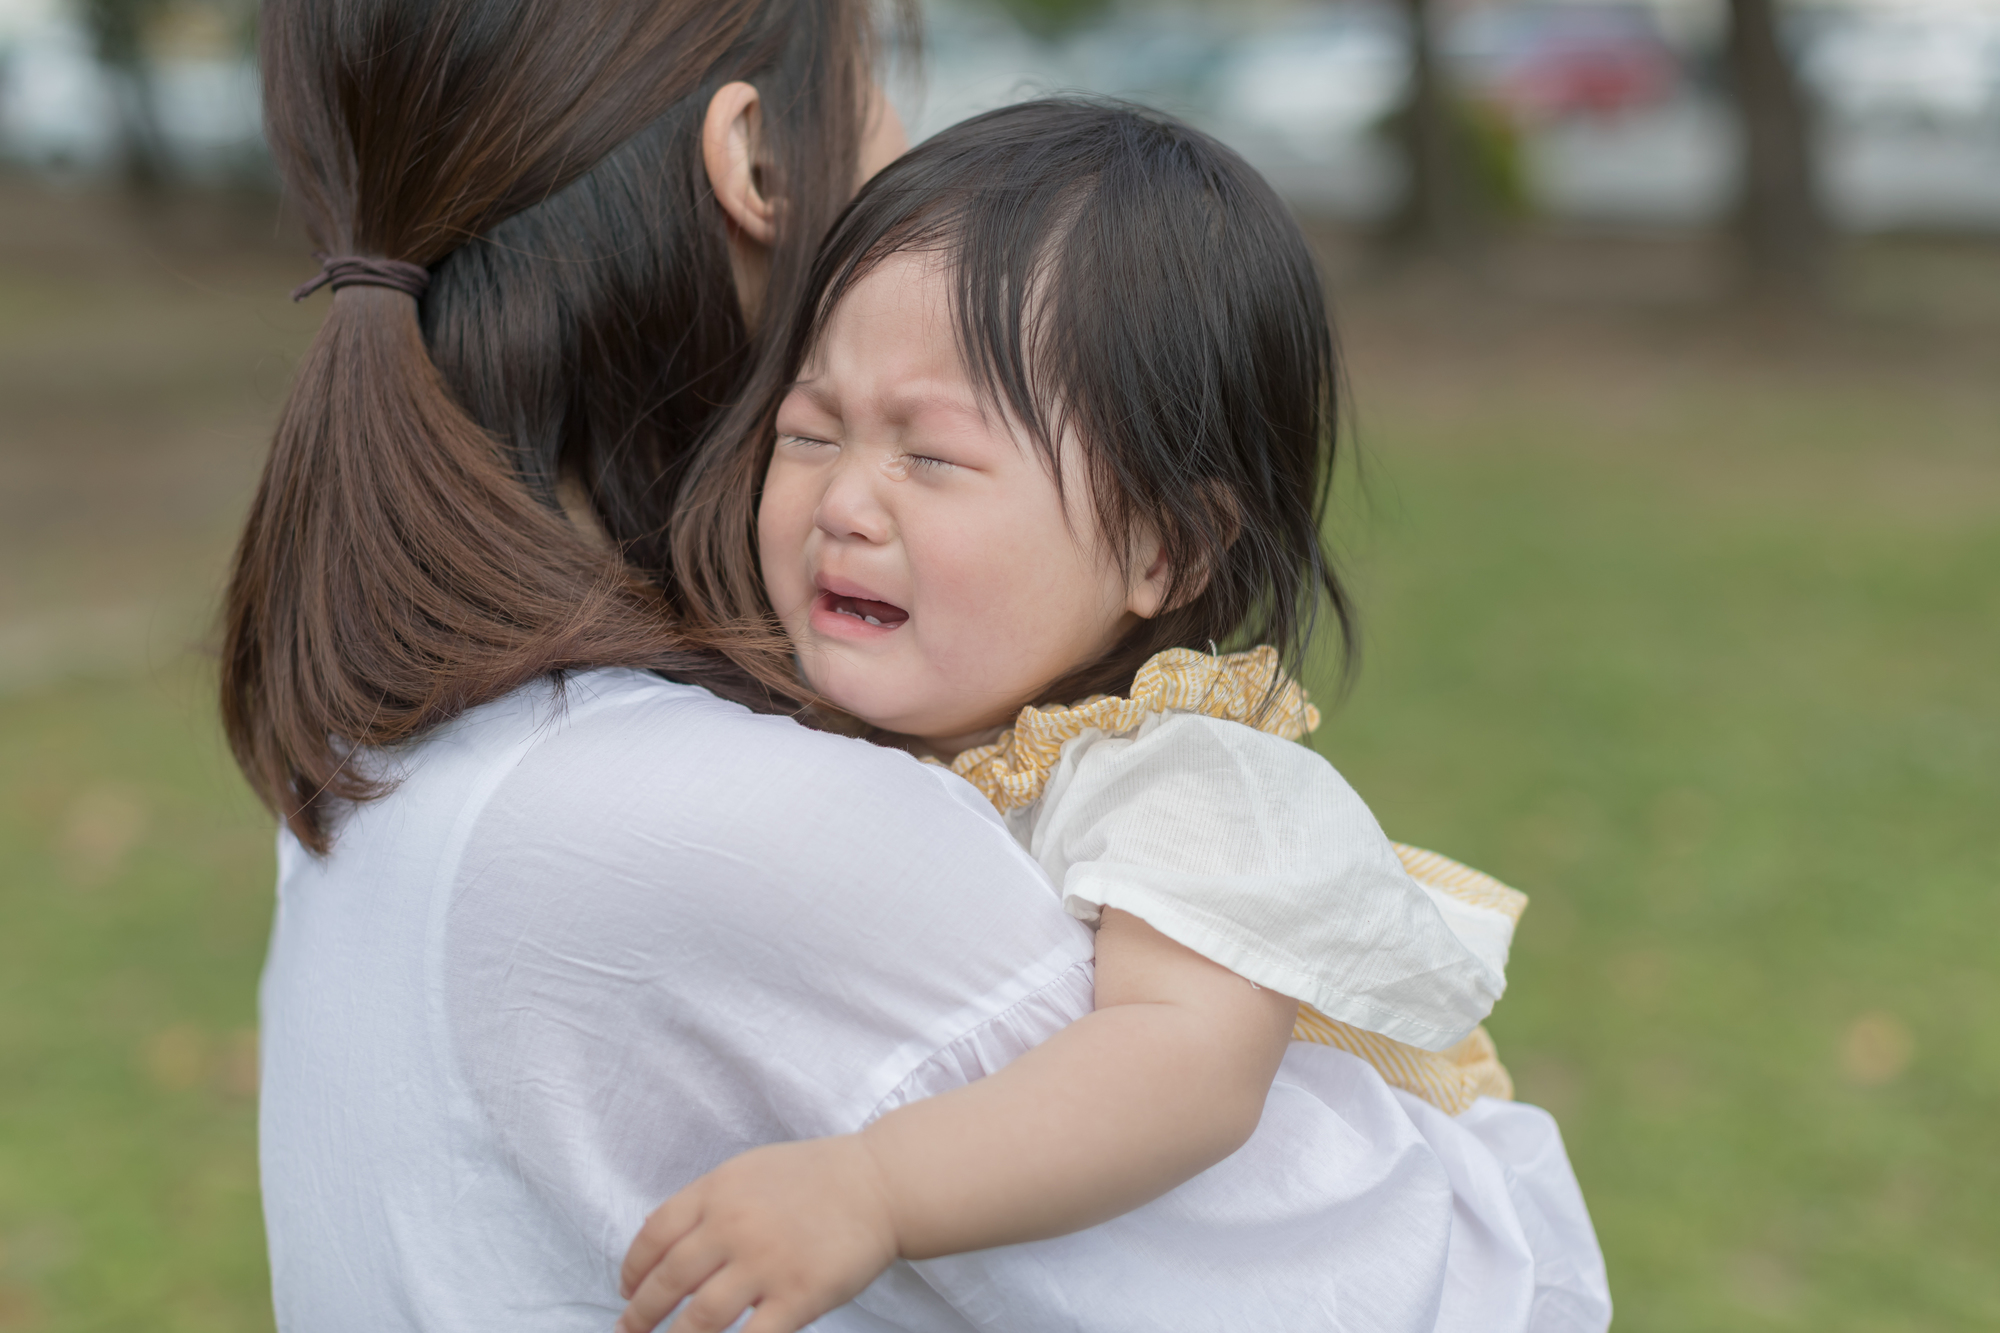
405	557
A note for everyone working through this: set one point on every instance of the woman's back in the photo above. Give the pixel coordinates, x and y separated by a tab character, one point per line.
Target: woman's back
545	981
589	949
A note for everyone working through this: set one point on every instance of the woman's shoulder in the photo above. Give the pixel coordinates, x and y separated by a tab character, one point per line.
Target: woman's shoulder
741	917
614	758
606	760
621	726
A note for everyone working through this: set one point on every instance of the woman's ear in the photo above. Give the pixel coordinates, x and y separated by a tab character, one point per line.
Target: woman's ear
732	151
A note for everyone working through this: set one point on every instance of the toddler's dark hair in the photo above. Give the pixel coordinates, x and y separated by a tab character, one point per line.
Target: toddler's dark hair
1124	277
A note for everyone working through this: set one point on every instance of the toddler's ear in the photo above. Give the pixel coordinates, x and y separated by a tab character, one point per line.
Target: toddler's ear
1152	575
1153	572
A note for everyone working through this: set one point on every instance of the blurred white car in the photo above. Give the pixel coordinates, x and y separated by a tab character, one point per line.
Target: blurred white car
1922	65
60	108
56	108
1322	78
974	60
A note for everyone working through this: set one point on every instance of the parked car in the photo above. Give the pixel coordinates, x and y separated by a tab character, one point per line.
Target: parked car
1325	76
1546	62
1936	66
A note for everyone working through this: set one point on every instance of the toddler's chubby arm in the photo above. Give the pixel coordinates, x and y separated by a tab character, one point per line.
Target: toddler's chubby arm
1167	1077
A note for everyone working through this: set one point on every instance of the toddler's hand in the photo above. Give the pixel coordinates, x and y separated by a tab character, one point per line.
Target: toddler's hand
793	1229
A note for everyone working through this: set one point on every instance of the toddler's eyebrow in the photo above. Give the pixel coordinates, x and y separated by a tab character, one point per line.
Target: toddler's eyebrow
910	401
812	389
905	402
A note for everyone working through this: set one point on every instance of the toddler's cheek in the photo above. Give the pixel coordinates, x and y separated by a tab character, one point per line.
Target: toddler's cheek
872	691
781	557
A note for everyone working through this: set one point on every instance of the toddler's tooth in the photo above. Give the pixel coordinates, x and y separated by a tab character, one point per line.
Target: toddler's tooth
871	620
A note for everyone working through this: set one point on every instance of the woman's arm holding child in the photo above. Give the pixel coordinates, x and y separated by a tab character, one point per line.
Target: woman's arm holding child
1167	1077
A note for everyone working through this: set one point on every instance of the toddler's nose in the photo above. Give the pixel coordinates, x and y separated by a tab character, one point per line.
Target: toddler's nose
851	507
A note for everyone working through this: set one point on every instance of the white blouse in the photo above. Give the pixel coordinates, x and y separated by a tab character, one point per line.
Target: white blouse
1251	850
589	948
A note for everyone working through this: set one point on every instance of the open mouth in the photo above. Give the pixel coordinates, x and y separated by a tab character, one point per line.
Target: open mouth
859	610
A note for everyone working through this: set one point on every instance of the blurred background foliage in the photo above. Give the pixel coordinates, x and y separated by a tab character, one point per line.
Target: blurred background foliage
1050	19
1671	330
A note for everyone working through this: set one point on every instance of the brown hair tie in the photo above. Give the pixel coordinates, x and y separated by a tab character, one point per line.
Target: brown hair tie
355	271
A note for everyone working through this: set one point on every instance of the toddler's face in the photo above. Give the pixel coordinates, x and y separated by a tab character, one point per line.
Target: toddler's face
914	543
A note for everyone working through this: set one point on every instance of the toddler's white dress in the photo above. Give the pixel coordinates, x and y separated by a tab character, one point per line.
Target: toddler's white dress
1191	806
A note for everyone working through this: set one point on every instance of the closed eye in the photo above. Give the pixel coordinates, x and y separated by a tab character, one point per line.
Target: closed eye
925	461
803	442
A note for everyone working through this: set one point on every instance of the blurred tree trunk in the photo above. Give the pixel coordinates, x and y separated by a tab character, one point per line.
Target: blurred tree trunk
1438	212
1779	220
118	28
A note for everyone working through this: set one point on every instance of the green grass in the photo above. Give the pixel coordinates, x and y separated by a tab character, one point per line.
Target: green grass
134	900
1712	677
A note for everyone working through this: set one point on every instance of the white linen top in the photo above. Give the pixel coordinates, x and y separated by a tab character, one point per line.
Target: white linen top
585	952
1251	850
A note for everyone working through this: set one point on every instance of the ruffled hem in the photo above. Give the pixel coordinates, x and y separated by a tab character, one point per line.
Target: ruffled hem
1250	956
1000	1040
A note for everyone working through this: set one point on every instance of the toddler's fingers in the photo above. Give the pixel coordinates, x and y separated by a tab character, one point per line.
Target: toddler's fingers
692	1262
717	1304
660	1233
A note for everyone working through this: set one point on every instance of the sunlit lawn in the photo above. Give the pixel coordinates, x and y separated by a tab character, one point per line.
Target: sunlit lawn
1710	666
1702	657
134	899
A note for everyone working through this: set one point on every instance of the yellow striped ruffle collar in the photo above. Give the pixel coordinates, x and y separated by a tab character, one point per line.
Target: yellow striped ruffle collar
1239	687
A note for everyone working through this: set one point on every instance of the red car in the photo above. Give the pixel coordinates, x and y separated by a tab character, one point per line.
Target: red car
1548	61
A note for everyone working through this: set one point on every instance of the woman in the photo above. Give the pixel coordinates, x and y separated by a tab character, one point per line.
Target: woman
561	926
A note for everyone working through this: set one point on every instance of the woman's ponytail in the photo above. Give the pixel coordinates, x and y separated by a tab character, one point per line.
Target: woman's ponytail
393	572
396	567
